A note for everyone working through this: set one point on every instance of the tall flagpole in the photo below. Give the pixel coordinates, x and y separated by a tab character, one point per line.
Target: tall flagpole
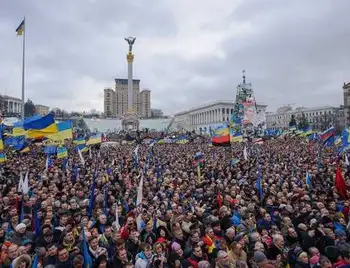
23	65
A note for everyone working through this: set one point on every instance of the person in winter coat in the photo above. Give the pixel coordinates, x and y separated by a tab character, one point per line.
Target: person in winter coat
145	258
302	260
196	256
133	243
20	234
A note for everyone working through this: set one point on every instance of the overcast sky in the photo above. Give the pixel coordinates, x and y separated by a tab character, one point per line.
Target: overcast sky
188	52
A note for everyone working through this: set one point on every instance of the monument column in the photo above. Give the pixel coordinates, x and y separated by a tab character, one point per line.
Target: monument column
130	59
130	121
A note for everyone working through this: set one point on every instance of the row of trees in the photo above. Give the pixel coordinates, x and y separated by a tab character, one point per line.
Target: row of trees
30	110
302	122
320	122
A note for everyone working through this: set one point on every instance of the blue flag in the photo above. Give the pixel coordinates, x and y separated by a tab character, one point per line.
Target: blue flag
86	255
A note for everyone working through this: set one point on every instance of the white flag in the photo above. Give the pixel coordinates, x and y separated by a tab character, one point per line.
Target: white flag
81	157
25	186
90	153
20	183
136	154
245	153
117	225
139	192
47	162
347	160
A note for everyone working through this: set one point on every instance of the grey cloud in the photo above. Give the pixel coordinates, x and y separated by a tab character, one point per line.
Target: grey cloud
293	51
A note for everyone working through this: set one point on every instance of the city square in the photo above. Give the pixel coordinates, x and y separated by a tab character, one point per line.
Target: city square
187	134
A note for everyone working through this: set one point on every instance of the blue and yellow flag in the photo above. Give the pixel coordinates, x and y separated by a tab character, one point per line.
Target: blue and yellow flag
25	149
62	152
182	141
79	141
221	131
40	127
65	131
1	145
20	28
83	148
3	157
18	129
95	139
236	137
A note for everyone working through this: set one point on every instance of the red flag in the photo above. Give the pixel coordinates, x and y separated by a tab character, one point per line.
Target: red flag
219	200
340	183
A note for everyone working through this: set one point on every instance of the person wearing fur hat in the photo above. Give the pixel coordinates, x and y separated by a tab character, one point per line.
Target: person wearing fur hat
23	261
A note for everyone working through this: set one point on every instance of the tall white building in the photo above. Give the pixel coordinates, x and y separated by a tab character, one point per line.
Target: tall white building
318	117
209	116
116	101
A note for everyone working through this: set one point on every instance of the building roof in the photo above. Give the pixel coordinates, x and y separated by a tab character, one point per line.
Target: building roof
42	106
7	97
213	103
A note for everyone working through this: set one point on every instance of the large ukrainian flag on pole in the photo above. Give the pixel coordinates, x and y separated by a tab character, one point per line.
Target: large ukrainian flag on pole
20	28
40	127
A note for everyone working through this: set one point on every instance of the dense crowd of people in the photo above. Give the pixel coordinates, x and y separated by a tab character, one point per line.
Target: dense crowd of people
212	216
